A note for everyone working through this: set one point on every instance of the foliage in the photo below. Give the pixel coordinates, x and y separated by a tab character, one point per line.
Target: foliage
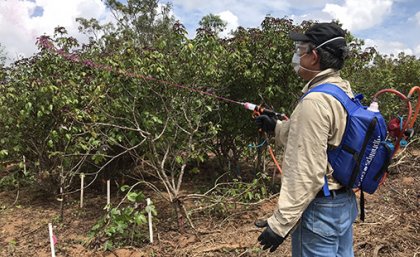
15	180
243	192
122	225
226	196
254	66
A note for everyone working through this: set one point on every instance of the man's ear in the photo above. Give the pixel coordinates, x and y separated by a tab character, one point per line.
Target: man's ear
315	57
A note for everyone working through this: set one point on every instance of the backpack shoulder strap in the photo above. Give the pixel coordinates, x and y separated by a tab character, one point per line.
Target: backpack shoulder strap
336	92
344	99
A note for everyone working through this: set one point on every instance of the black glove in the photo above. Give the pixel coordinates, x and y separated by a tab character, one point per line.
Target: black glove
266	123
268	239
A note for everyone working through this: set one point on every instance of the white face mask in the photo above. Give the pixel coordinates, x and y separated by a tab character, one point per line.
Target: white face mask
296	64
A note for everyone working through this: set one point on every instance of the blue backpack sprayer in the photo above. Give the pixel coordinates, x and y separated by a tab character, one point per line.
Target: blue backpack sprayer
399	131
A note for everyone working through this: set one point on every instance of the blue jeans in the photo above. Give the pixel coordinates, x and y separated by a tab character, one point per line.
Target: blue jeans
326	227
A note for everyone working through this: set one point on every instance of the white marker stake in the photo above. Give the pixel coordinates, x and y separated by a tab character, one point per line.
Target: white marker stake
82	185
108	193
24	165
150	221
51	240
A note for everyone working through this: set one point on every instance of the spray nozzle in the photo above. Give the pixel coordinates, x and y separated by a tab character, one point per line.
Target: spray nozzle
258	110
250	106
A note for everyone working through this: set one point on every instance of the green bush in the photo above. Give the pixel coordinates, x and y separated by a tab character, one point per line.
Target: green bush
125	224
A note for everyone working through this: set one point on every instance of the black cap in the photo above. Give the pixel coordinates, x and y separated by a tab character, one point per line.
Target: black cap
321	33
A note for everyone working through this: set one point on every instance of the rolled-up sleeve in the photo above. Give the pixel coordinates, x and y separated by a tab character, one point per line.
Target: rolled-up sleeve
305	161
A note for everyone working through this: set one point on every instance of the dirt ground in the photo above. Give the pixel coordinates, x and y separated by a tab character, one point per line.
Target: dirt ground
391	228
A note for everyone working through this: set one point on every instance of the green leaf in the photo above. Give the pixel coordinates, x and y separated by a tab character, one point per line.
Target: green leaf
115	212
179	160
140	219
108	245
96	226
124	188
132	196
4	153
195	170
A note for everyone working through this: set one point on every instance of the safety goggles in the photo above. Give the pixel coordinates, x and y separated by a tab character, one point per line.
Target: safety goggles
301	48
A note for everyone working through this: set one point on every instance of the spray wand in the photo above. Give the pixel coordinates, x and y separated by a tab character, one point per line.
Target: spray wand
259	110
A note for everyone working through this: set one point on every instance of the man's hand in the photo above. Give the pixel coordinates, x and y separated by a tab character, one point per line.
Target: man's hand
268	239
266	123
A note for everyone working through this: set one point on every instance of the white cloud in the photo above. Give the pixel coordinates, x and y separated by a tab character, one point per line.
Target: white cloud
359	15
318	16
14	30
417	51
231	20
19	29
392	47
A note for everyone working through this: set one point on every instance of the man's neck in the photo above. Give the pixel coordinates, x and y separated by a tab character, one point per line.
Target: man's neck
318	77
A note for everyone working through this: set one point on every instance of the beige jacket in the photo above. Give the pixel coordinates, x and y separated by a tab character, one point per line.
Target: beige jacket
317	122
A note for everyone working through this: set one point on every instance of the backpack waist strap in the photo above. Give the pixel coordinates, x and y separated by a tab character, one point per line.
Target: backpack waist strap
332	192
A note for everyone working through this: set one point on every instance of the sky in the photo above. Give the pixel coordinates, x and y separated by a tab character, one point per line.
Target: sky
391	26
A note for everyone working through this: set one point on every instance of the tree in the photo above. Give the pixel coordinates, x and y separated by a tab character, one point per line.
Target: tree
141	21
212	23
3	56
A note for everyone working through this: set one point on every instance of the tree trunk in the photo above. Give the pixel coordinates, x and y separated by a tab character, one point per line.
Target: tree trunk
178	212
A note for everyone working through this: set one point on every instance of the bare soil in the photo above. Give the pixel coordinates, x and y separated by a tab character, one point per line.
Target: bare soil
391	228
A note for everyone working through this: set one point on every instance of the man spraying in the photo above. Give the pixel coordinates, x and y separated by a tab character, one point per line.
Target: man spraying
320	224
